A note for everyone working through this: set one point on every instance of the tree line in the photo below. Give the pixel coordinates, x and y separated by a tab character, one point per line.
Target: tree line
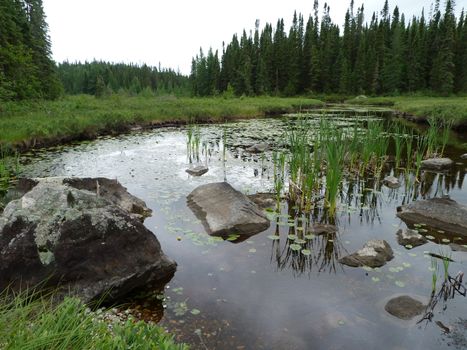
100	78
26	69
389	54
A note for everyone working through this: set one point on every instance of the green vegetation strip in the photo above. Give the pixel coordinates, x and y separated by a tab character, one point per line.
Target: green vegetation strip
423	108
33	322
26	124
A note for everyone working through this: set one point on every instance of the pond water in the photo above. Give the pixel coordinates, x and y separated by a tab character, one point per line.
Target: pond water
258	293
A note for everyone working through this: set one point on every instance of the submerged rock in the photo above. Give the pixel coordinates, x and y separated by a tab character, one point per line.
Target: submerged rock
322	229
458	248
84	236
439	213
258	148
391	182
224	210
263	200
408	237
198	170
437	164
375	253
404	307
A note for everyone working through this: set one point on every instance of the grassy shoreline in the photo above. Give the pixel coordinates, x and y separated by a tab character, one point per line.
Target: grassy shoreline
25	125
420	109
30	124
33	321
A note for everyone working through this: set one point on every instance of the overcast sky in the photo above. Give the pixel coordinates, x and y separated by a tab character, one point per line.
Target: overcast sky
172	31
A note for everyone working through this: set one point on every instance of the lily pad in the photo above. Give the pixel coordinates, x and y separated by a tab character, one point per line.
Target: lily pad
399	284
306	252
195	312
295	247
274	237
292	237
375	279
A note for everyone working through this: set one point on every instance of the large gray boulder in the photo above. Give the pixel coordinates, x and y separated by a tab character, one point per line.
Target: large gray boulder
224	210
437	164
83	236
439	213
375	253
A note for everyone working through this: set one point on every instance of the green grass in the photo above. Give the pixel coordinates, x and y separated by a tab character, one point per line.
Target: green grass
423	108
83	116
31	322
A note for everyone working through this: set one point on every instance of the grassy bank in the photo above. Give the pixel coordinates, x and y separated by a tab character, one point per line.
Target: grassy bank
36	323
82	117
420	109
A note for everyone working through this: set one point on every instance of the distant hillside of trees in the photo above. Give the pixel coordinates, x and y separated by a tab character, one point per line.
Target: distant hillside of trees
100	78
390	54
26	69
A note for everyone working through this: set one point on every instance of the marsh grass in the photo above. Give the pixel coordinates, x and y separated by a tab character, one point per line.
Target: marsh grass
32	321
82	116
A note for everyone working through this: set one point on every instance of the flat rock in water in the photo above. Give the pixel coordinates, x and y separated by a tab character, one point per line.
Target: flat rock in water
224	210
404	307
458	248
439	213
436	164
198	170
409	237
391	182
322	229
82	236
375	253
258	148
263	200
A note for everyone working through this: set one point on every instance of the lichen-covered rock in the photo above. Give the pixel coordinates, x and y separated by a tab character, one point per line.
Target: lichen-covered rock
439	213
81	235
408	237
375	253
404	307
224	210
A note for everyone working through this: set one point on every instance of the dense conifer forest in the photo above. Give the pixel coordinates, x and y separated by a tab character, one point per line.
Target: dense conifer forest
385	54
100	78
26	67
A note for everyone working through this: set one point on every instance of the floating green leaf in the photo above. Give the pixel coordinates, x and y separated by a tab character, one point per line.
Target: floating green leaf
399	284
375	279
306	252
445	240
409	246
252	250
274	237
430	237
310	236
300	241
195	312
295	247
292	237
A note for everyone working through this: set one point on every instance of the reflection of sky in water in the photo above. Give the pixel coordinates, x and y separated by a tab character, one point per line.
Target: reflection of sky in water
258	291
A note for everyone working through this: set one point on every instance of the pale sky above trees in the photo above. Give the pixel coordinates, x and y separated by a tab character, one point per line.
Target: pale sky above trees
171	32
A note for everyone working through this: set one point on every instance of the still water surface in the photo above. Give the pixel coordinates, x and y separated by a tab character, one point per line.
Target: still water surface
258	294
